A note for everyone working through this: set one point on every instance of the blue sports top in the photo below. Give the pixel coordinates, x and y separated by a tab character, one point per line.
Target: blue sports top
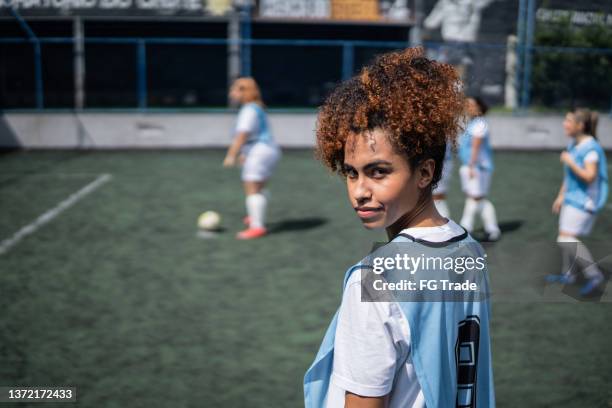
261	131
587	197
484	161
450	343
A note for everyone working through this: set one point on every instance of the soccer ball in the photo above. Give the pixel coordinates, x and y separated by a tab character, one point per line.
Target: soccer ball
209	220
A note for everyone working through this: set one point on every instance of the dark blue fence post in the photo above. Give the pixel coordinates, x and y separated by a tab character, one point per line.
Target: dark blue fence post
245	37
141	73
348	60
520	50
38	79
38	75
526	88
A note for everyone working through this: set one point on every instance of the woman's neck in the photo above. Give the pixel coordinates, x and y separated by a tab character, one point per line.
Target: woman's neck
424	214
580	137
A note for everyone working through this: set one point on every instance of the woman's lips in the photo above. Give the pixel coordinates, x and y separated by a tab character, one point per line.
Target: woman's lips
367	212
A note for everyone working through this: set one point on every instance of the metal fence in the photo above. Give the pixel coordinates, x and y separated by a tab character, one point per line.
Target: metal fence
182	73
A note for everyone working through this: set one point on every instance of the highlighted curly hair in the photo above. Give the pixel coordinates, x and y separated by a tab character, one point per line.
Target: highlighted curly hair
416	101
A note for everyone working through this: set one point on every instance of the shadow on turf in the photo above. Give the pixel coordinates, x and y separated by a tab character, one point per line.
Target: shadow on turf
573	290
504	226
298	224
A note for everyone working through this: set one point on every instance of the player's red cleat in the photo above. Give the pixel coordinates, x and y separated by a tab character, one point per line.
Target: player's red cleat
246	220
252	233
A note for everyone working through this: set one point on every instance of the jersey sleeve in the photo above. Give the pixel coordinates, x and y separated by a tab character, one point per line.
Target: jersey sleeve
480	128
247	120
591	157
369	346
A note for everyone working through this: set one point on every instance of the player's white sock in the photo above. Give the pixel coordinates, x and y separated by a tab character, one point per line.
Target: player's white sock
591	269
469	212
580	257
568	255
489	218
256	208
442	208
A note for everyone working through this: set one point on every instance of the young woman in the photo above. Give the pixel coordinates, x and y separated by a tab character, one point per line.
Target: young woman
254	146
476	157
386	132
583	193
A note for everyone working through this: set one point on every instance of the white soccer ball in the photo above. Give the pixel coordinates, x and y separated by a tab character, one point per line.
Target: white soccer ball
209	220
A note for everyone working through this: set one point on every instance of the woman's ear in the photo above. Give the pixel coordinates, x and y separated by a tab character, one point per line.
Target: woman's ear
425	173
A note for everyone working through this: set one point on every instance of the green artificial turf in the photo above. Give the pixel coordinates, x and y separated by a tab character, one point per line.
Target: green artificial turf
118	297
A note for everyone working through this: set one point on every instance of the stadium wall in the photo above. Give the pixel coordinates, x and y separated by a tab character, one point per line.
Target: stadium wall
187	130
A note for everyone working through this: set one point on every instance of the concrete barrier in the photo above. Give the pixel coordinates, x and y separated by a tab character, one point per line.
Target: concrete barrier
206	129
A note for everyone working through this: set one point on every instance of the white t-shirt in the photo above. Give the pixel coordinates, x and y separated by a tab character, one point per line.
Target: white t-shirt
372	344
480	129
247	120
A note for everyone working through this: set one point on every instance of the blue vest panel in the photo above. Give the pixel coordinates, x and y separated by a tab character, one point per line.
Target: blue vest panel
450	342
263	133
587	197
485	156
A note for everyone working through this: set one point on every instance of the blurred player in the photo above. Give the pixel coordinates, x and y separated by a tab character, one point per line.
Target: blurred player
476	169
258	153
583	193
378	130
439	193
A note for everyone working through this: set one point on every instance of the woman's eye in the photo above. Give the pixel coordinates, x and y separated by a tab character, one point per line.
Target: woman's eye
379	173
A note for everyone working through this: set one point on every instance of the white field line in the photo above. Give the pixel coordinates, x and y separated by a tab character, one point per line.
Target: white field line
49	215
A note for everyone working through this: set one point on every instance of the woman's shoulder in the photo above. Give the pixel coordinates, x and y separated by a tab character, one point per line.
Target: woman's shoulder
590	143
353	274
479	124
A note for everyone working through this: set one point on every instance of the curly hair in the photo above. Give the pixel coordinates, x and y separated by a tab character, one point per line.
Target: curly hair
416	101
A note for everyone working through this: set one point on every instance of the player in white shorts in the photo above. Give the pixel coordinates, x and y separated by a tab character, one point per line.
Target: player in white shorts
439	193
258	153
583	193
476	158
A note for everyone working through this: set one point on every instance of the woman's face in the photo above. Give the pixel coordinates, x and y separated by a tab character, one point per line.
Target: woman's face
472	108
571	127
381	185
236	93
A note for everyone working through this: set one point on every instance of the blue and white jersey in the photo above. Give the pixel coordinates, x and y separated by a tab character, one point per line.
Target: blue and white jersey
589	197
253	120
476	128
449	340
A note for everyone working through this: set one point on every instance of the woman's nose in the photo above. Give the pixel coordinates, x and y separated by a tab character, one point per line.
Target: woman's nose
361	191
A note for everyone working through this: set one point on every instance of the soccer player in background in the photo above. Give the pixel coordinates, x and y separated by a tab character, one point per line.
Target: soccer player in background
476	169
258	153
386	131
583	193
